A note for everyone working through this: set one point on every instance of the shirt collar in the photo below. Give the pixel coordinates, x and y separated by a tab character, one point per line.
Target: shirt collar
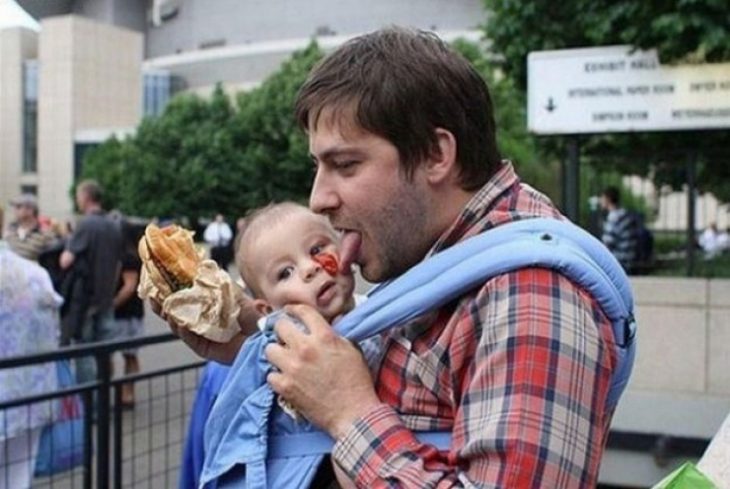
477	207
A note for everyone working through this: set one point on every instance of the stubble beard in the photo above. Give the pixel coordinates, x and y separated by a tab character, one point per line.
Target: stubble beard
402	234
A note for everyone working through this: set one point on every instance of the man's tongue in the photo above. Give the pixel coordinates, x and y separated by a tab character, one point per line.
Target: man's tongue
349	249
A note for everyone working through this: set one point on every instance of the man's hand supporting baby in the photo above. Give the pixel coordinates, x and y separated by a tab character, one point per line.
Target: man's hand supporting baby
323	375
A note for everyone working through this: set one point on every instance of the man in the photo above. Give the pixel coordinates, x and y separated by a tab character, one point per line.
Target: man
94	250
620	229
218	235
24	235
402	135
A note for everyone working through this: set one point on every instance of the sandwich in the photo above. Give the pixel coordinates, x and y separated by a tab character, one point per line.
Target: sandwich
169	257
193	292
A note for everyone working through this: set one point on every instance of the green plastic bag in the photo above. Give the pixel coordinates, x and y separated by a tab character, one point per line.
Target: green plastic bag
686	477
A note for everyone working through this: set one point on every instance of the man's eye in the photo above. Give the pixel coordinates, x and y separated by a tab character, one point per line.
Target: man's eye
284	273
345	164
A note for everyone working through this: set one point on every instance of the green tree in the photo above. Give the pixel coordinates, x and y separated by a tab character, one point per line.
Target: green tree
682	31
275	161
207	155
177	164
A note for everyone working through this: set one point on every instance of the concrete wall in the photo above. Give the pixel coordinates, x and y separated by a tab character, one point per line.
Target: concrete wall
684	338
202	21
16	45
681	380
89	78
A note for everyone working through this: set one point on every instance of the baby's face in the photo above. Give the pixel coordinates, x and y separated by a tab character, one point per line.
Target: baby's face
292	263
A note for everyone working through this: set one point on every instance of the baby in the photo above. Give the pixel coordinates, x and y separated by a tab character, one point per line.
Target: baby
289	255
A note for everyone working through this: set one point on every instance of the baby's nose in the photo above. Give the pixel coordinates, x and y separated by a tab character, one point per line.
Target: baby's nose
311	269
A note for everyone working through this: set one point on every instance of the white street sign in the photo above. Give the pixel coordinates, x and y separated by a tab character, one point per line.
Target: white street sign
612	89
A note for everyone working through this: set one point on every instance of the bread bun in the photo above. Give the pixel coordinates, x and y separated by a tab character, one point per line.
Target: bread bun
170	257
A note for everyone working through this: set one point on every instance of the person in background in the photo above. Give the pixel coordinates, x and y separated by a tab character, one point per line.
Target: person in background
128	307
24	235
29	323
218	235
713	242
95	251
619	229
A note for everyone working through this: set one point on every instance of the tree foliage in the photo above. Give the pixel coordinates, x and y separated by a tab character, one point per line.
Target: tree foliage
682	31
208	155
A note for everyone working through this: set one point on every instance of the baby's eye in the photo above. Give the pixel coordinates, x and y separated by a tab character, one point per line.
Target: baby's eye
316	250
284	273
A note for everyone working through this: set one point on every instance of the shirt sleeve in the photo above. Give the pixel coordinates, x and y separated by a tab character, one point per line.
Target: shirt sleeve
531	412
80	239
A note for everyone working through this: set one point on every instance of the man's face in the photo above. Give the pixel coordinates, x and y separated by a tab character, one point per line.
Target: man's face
81	200
286	260
23	213
361	187
605	203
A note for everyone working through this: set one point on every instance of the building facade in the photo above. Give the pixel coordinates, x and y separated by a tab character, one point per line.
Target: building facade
75	72
64	84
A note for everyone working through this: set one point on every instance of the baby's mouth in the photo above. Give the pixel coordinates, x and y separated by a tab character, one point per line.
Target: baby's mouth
326	293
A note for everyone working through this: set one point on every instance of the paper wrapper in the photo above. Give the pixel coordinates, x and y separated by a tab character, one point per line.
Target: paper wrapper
209	308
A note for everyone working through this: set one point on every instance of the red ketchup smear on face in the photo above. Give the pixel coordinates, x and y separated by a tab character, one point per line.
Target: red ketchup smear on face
328	262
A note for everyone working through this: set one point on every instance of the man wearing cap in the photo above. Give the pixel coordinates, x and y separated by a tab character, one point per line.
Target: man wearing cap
24	235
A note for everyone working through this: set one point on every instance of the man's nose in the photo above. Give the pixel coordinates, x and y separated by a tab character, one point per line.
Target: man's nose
324	198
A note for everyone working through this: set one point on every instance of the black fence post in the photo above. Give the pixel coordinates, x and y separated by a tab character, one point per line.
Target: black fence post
571	180
103	366
118	440
691	209
88	400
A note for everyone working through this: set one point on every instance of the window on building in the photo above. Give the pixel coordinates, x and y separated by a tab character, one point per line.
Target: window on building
30	116
80	150
29	189
157	92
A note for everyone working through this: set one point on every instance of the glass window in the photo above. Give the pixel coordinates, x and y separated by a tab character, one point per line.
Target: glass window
80	150
157	92
30	116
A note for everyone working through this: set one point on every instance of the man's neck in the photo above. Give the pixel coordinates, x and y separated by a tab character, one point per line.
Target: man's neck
27	224
448	209
92	209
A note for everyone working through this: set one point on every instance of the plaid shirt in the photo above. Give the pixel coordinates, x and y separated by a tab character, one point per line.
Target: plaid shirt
517	370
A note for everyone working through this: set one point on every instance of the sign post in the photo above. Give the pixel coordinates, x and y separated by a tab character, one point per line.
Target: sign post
615	89
619	89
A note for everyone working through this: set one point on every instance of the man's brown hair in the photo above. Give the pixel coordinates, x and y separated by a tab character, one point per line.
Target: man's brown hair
401	85
92	189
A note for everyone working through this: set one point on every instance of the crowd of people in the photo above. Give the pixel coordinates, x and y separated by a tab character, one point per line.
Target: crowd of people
62	284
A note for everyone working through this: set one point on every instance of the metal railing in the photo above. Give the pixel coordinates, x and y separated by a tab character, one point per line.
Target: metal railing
119	448
106	459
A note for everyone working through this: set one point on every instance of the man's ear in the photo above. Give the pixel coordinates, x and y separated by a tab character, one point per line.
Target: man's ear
262	307
441	163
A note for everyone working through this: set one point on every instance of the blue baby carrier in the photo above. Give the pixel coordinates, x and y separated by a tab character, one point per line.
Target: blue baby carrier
250	442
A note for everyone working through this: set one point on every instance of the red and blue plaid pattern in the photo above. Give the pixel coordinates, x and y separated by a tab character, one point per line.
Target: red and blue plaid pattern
518	370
